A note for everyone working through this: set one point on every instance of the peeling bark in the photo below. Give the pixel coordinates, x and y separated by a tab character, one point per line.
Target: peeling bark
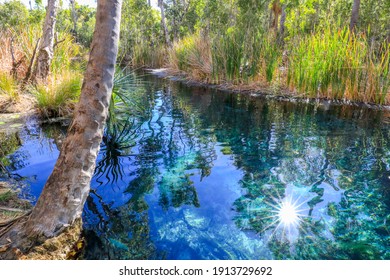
65	192
46	47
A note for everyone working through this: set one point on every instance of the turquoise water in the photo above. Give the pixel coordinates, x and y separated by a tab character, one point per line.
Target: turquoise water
201	174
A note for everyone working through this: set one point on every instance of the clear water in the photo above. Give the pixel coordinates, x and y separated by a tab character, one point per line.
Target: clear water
201	174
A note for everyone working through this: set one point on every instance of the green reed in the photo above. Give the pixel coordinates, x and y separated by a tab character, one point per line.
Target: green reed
58	98
339	65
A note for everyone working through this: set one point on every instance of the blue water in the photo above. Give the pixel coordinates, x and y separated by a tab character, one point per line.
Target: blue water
202	174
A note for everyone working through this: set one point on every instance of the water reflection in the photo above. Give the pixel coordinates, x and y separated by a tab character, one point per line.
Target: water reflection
221	176
207	175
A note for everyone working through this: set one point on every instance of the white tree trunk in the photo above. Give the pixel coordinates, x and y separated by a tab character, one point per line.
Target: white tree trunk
164	24
63	197
46	46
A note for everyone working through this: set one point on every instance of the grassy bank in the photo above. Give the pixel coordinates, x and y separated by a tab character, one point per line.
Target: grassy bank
330	64
58	96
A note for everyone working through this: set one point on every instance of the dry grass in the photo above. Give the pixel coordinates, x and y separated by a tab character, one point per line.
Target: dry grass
23	42
10	205
192	55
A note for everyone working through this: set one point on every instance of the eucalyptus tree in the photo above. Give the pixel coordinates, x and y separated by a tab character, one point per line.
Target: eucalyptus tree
74	16
164	24
46	45
65	192
354	14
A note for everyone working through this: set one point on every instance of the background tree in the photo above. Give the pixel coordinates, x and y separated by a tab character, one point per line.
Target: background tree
354	15
164	24
67	188
46	45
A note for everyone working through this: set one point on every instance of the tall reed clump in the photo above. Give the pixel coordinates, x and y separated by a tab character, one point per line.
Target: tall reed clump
192	55
340	65
144	55
243	58
228	56
58	97
65	52
17	46
270	58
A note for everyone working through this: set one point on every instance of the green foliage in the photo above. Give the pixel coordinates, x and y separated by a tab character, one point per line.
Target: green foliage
12	14
192	55
85	23
58	97
339	65
9	86
184	16
148	56
64	53
141	34
228	54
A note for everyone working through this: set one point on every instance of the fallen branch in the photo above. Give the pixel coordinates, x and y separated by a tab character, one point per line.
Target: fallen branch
57	43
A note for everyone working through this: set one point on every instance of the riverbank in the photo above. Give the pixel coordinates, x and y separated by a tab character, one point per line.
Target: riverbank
256	90
11	206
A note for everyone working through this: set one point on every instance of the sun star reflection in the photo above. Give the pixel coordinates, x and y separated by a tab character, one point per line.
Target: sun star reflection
288	214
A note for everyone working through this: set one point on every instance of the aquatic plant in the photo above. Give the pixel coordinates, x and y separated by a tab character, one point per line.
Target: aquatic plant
228	55
340	65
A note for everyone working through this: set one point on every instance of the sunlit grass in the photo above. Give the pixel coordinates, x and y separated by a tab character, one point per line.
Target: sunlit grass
64	52
58	97
9	86
192	55
144	55
339	65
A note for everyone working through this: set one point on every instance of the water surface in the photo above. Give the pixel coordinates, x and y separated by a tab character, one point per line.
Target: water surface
201	174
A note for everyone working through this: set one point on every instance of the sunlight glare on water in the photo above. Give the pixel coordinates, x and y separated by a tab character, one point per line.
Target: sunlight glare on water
288	214
211	175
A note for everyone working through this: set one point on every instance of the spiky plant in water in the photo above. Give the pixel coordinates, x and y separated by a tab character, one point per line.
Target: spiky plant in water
121	126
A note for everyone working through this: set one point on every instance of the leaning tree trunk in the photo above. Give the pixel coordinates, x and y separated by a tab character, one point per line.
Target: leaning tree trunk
46	47
354	15
67	188
164	24
74	17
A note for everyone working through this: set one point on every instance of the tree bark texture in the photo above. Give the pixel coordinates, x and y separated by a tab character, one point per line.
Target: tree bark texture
46	47
164	24
67	188
74	16
282	26
354	15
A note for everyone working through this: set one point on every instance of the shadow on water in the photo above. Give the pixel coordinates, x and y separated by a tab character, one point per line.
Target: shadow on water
200	174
